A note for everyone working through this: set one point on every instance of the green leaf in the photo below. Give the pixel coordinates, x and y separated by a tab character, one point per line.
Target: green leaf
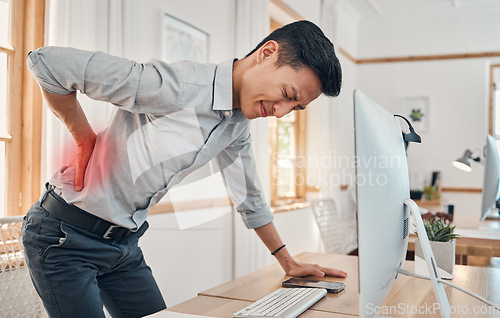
439	230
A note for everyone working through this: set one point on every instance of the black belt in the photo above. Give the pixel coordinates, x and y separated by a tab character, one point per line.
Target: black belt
73	215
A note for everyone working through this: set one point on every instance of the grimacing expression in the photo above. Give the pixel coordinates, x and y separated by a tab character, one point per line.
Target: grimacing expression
270	91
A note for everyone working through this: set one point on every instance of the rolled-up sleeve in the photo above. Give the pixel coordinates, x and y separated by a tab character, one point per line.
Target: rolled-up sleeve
153	87
238	168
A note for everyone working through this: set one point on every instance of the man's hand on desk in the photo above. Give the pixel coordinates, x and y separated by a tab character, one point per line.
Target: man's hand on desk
302	269
271	239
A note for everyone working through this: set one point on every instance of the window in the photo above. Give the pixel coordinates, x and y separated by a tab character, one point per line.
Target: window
288	136
494	116
6	78
496	101
21	29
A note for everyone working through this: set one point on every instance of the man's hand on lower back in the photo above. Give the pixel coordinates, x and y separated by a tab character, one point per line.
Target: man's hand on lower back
70	112
81	160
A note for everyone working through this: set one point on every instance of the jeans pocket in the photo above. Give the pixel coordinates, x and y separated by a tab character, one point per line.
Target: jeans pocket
51	235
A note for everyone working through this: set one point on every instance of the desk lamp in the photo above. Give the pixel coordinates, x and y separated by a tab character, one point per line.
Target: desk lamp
464	162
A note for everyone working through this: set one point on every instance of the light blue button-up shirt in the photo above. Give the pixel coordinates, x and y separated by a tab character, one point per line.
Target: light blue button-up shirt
171	119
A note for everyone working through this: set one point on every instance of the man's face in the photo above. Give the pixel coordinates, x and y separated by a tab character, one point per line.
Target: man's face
270	91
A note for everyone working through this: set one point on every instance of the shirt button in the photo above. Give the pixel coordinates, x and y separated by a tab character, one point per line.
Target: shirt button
227	113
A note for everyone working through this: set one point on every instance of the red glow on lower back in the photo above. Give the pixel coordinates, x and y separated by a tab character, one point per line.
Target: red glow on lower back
101	163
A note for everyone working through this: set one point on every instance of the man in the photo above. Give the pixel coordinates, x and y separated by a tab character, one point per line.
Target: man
81	236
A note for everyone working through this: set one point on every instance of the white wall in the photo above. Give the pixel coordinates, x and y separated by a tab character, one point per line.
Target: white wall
298	231
309	10
185	262
142	26
457	89
458	110
436	33
342	120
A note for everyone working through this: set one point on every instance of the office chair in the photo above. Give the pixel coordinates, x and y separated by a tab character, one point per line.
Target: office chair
18	297
329	223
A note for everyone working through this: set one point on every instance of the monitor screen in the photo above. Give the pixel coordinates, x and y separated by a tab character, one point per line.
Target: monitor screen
382	186
491	177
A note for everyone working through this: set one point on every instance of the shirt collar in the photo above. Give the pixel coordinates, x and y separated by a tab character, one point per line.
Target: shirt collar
223	88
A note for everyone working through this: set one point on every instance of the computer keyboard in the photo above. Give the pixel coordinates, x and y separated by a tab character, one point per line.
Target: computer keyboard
284	302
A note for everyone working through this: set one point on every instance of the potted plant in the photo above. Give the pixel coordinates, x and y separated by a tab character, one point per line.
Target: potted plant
442	240
431	193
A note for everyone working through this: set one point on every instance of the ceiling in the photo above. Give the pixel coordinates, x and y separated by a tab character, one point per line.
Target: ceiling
415	8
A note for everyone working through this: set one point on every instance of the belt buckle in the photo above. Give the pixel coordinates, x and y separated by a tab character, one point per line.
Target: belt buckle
109	231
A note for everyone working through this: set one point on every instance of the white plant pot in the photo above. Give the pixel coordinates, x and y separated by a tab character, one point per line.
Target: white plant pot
444	254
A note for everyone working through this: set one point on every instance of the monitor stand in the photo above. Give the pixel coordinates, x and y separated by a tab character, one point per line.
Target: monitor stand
439	292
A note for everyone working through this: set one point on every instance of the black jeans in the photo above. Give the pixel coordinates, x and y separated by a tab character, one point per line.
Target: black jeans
75	271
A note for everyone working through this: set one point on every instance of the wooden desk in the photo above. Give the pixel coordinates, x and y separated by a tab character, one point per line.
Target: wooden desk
467	246
473	222
256	285
407	291
477	239
431	205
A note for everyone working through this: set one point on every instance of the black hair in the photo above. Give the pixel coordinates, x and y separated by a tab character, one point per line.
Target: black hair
302	43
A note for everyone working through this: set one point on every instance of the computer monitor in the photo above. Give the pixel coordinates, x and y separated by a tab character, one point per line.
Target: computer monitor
383	206
491	177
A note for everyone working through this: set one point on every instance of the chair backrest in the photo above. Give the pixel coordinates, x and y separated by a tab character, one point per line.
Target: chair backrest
18	297
329	223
